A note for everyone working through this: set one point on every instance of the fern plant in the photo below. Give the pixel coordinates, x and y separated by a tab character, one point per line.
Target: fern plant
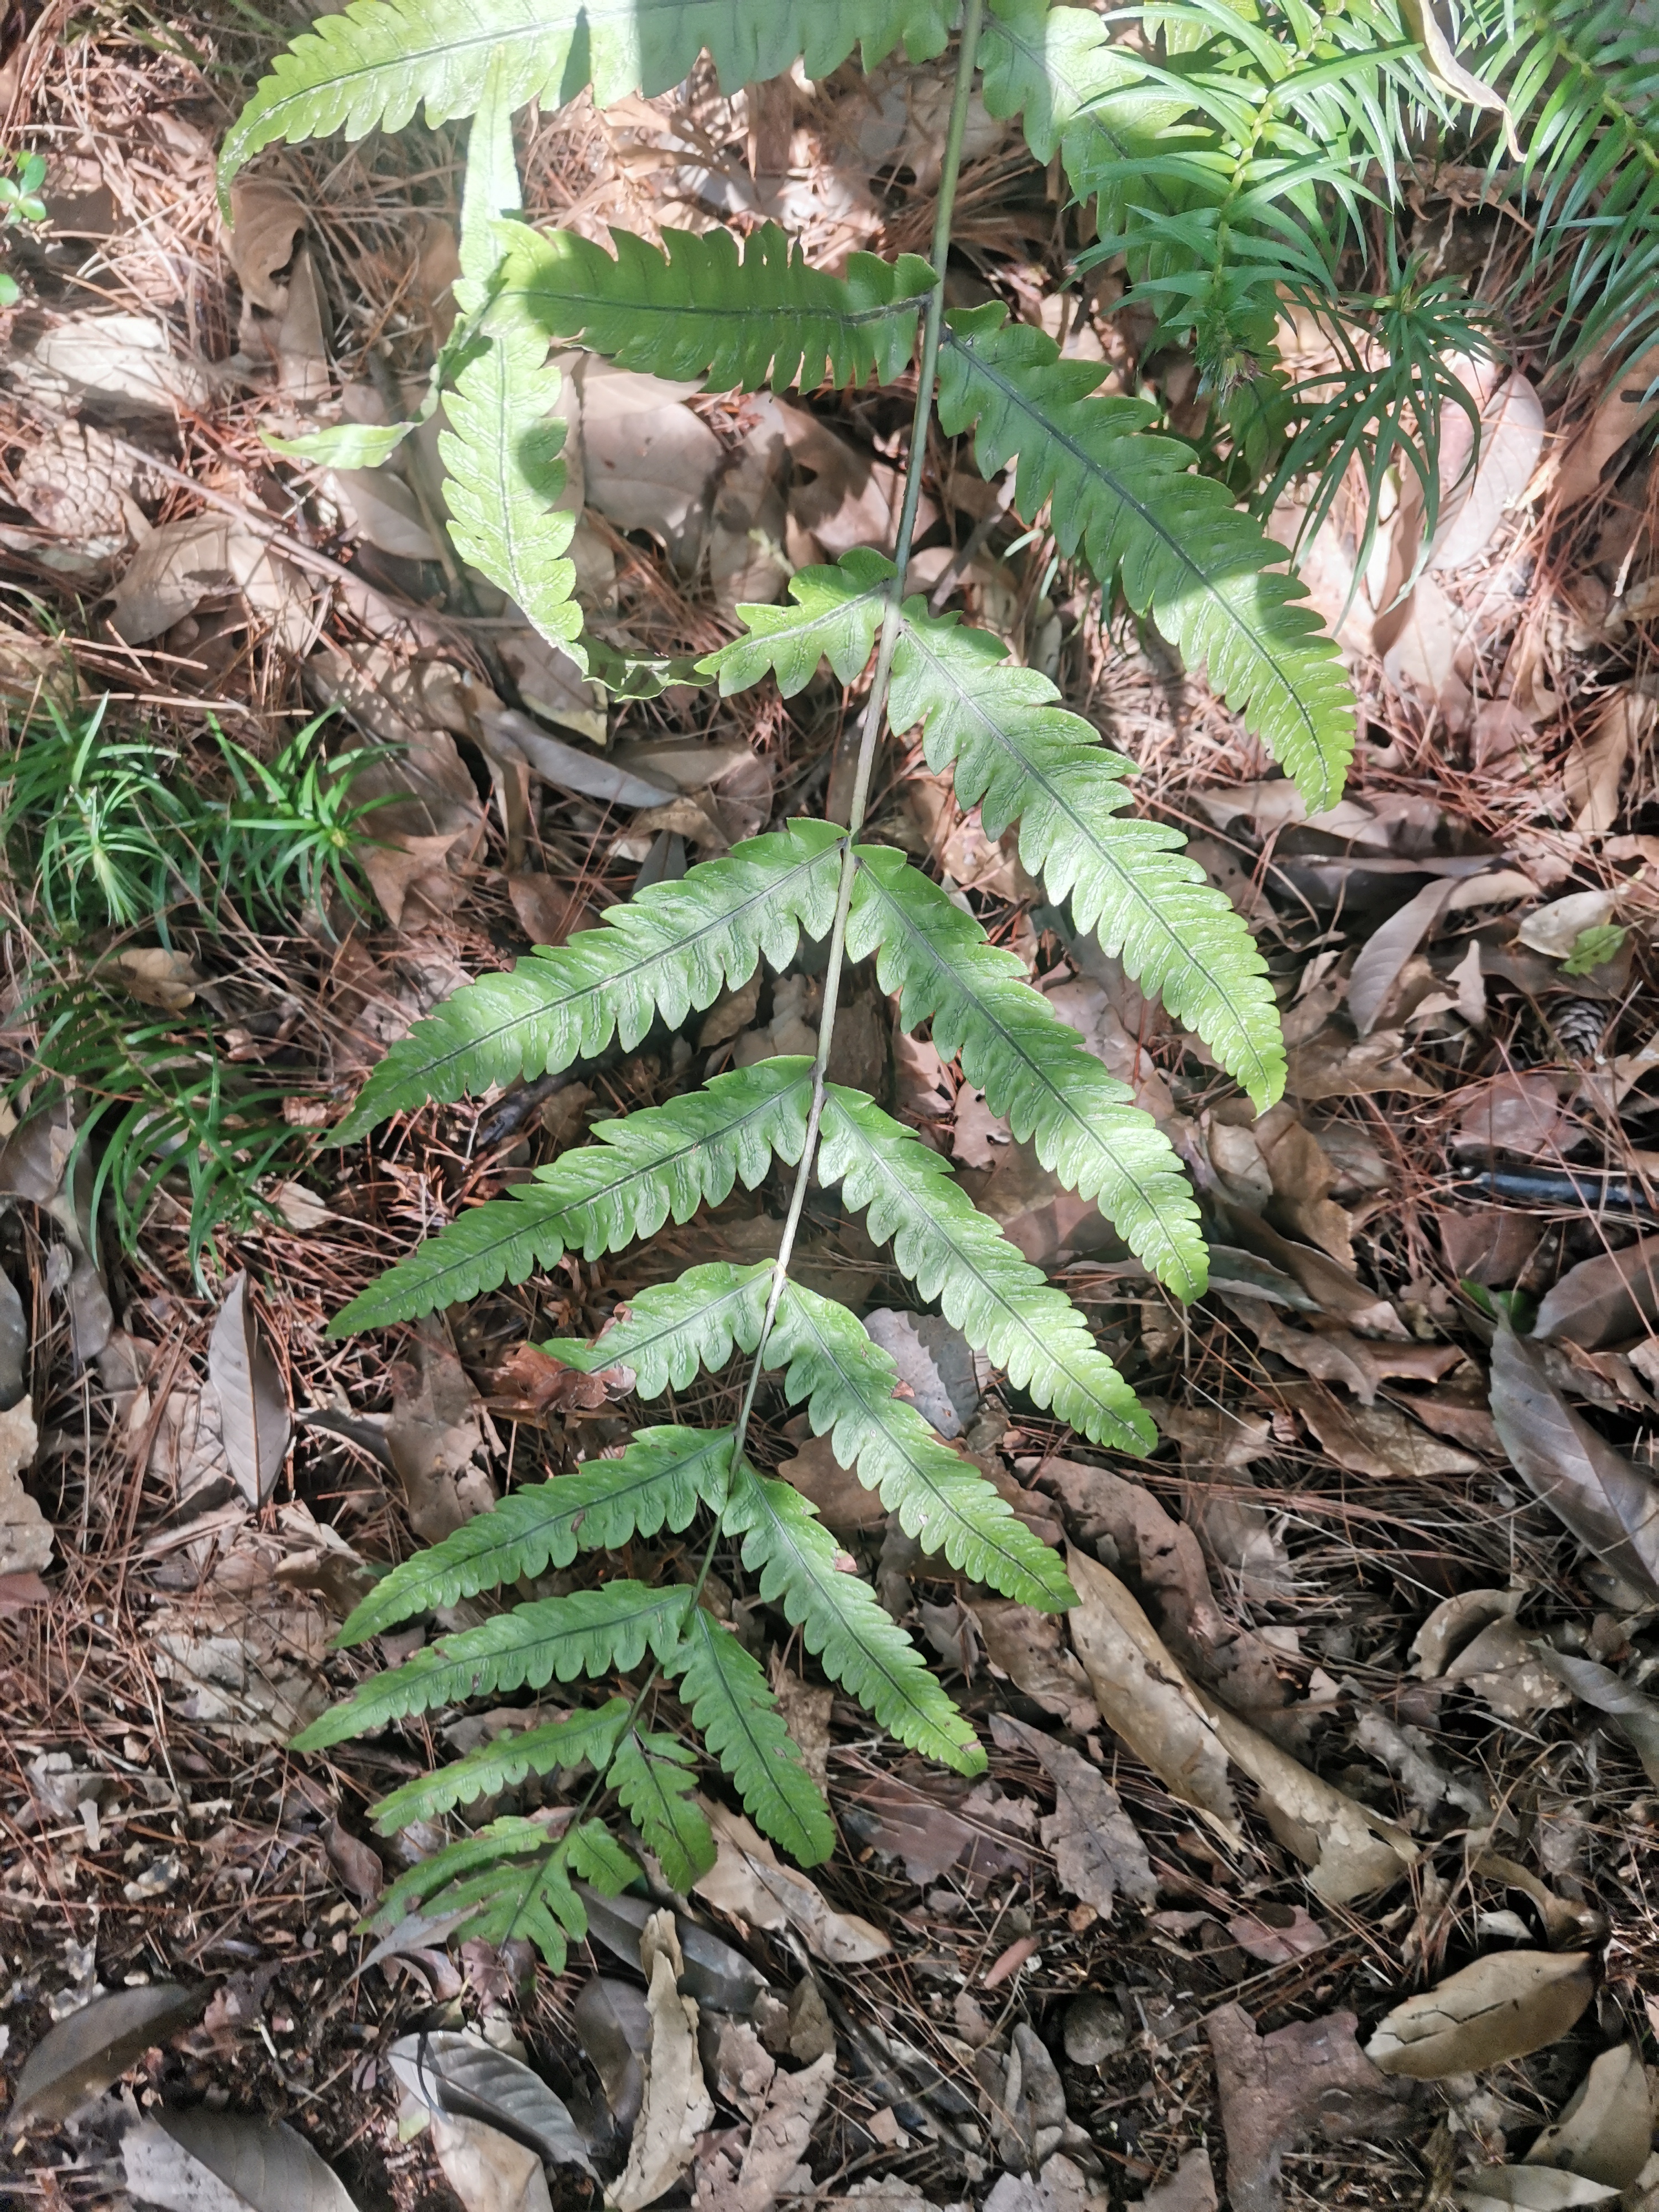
1124	500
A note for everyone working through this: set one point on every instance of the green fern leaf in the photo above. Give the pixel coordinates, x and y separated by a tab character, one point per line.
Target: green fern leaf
512	1879
658	1482
1035	1072
488	1767
588	1632
1001	1303
858	1644
655	1776
1018	753
377	61
1078	92
665	1160
672	1330
739	1719
836	615
501	448
698	310
671	948
941	1498
1181	552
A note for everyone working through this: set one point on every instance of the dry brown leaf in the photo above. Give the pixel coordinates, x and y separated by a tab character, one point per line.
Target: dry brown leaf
1454	1621
648	462
82	2055
379	507
129	359
1361	1365
1376	1440
1190	2188
1515	1113
435	1439
1332	1064
1501	1666
1593	771
254	1419
1027	1647
1606	2129
1555	929
778	2137
1621	413
977	1135
1611	1506
1381	958
1309	2080
843	1504
200	2161
159	976
1475	503
267	223
1097	1851
748	1882
747	562
1529	2189
1604	1301
805	1709
182	563
1501	2008
25	1537
1425	634
1292	1935
1636	1715
677	2106
487	2170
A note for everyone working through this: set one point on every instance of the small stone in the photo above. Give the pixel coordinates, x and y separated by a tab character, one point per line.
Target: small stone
1094	2031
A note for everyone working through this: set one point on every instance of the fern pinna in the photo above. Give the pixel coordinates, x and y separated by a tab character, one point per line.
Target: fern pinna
1127	502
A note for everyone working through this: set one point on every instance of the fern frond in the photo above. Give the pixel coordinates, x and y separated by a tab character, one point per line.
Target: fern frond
737	1715
658	1482
488	1767
941	1498
654	1776
695	309
857	1643
663	1161
671	1330
381	59
588	1632
1078	92
1019	754
671	947
835	618
502	449
1002	1305
1181	551
1034	1070
512	1879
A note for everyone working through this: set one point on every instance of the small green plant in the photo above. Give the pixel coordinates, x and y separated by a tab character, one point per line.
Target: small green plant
1236	152
20	202
114	832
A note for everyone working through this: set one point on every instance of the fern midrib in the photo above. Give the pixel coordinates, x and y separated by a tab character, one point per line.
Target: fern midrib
969	704
1257	644
941	1225
1091	1135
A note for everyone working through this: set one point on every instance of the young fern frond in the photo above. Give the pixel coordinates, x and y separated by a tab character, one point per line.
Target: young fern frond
375	64
664	1161
739	1719
655	1776
1179	549
670	950
588	1632
658	1482
510	1880
857	1643
1035	1072
696	309
590	1736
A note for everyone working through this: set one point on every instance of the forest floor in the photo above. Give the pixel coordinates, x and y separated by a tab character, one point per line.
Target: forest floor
1331	1538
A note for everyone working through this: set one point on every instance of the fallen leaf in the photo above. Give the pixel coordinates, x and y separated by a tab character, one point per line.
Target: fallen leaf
467	2078
1622	411
569	768
1603	1301
267	223
1511	439
253	1411
1027	1646
1530	2189
1594	769
843	1504
648	463
1515	1114
937	1369
1502	2006
613	2026
1501	1666
1306	2081
778	2138
1611	1506
182	563
1555	929
1026	2102
712	1971
1637	1715
1332	1064
1097	1851
747	562
1454	1621
677	2106
129	359
1606	2129
1381	958
903	1823
805	1710
1190	2188
977	1135
1337	1355
1376	1440
377	506
748	1882
357	1862
206	2161
1426	633
96	2045
435	1439
1186	1739
26	1536
1276	1942
487	2170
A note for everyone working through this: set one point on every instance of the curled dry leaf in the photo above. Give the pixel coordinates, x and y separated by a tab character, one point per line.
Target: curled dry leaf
1096	1849
1606	2129
82	2055
677	2106
25	1537
747	1880
1376	1440
267	223
1610	1506
254	1411
777	2144
1455	1621
1500	2008
207	2162
1186	1738
1530	2189
468	2079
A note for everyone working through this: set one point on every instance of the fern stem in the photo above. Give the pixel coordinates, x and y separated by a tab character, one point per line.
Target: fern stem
876	706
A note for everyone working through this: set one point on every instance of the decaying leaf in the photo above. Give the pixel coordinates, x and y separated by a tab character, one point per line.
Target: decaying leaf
1309	2080
1635	1714
677	2106
748	1882
206	2161
1187	1738
614	2027
778	2137
1606	2129
1025	2102
1610	1506
1530	2189
1097	1849
1190	2188
25	1537
1291	1934
182	563
1605	1300
487	2170
82	2055
468	2079
1376	1440
435	1440
1502	2006
254	1412
1454	1621
267	223
1028	1647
